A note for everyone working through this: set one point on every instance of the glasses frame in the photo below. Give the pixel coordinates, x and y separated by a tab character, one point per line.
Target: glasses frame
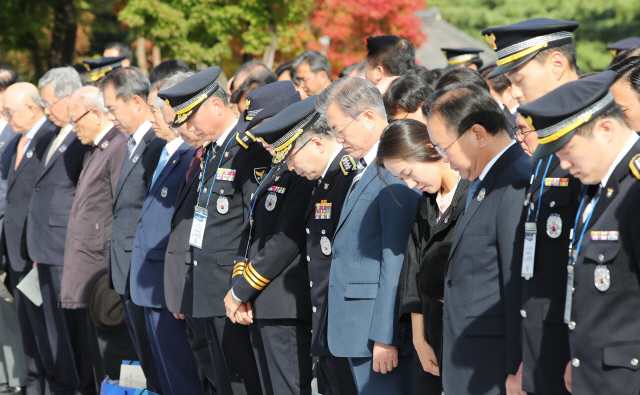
74	124
9	114
443	152
293	155
50	106
340	133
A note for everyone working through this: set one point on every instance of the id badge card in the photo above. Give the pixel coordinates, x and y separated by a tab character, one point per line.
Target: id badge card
528	257
198	226
569	298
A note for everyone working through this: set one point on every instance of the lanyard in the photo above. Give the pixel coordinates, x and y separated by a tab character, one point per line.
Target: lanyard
255	199
541	189
214	177
574	258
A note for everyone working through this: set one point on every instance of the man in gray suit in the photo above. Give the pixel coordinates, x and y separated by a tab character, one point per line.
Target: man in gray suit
481	320
368	247
126	92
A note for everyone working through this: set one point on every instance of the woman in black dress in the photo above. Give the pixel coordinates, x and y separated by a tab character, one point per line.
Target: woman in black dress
406	151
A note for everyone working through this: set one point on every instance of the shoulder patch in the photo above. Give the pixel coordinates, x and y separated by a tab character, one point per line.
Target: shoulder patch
347	164
245	139
634	165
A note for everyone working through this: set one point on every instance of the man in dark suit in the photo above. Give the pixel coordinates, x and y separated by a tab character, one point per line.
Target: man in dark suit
481	320
269	285
25	116
368	247
168	336
86	253
574	121
69	358
317	155
125	94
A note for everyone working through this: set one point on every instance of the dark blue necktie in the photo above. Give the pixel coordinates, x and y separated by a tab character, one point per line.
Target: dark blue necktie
472	191
131	145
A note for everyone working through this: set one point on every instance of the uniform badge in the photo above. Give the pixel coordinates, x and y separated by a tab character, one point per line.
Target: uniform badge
135	158
62	148
325	245
226	154
29	154
226	174
164	191
556	182
634	165
602	278
1	143
277	189
481	195
277	178
323	210
446	220
609	192
326	186
554	226
270	204
347	164
604	235
491	40
222	205
258	173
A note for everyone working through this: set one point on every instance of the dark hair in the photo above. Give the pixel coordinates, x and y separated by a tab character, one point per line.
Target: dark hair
567	50
7	77
359	67
426	75
286	66
463	105
406	139
406	93
628	71
166	69
627	53
438	73
475	61
462	75
257	70
499	84
317	62
432	273
396	55
128	82
252	83
319	128
123	49
613	112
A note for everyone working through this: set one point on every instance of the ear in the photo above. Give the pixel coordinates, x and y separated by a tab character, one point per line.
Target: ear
480	135
605	130
369	115
508	97
473	67
379	73
558	64
137	102
318	143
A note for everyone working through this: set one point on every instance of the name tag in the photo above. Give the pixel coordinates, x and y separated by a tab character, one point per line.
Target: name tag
556	182
198	227
226	174
528	257
604	235
277	189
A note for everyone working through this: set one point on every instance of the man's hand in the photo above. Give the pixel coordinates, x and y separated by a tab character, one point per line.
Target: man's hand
385	358
567	376
231	305
519	375
513	387
178	316
244	314
427	356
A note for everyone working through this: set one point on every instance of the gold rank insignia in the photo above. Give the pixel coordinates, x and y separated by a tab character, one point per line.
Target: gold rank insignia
258	173
609	192
491	39
247	103
529	122
634	165
167	101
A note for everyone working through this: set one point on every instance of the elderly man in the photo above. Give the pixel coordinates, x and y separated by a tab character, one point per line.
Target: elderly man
481	319
313	71
47	220
368	247
23	110
125	94
167	335
86	253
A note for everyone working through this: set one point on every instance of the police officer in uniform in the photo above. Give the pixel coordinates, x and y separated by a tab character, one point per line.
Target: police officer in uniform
270	285
602	288
317	155
463	57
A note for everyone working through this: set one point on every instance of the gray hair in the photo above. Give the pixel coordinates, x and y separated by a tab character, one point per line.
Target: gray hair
65	80
128	82
316	61
353	96
172	81
320	128
222	95
94	99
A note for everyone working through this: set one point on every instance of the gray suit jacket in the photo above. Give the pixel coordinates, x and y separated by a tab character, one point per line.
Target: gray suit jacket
482	297
7	147
127	206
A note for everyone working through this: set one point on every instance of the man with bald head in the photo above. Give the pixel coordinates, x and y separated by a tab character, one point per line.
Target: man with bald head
86	253
22	108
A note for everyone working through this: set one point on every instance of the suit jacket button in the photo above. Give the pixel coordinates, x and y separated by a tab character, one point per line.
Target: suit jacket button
523	313
139	224
115	216
575	362
308	232
308	258
634	362
37	189
572	325
310	284
335	255
314	309
195	263
173	225
450	283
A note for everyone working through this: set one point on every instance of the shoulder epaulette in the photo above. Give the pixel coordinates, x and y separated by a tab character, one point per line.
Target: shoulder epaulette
347	164
634	165
245	139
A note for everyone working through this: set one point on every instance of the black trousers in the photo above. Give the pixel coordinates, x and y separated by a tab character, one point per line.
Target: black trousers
285	346
197	336
335	373
137	324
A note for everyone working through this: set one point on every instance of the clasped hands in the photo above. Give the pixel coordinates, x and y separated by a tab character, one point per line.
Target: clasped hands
238	312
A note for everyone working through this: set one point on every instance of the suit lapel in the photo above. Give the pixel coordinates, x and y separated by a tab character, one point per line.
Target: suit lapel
66	143
368	176
173	161
33	145
132	162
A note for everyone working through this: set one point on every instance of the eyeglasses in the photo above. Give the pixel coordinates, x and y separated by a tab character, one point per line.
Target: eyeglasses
340	133
443	152
74	124
520	133
50	106
9	114
307	78
290	158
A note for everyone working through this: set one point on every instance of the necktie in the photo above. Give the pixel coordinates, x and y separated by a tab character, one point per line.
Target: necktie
195	162
161	163
54	146
20	152
131	145
362	165
472	191
592	191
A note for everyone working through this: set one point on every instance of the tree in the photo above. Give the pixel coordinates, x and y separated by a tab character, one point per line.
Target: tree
601	23
349	22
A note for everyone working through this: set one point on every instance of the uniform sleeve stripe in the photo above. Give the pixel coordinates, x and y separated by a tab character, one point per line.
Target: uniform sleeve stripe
255	279
255	273
254	285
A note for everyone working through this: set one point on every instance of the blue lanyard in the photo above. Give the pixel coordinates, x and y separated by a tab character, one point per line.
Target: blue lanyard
204	171
586	223
541	186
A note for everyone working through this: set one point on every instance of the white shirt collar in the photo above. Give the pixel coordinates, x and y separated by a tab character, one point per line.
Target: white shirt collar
514	109
102	134
371	155
34	129
492	161
173	146
224	136
333	156
142	130
3	124
627	147
65	130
